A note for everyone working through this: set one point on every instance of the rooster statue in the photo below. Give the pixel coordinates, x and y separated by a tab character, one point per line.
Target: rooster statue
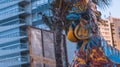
84	29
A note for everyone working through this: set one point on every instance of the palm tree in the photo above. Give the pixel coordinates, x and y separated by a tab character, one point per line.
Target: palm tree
59	23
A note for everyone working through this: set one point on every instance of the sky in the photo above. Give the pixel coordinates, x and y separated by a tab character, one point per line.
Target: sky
70	48
113	10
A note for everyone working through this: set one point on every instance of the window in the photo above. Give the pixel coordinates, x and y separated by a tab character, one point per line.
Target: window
106	33
119	28
106	29
106	25
119	34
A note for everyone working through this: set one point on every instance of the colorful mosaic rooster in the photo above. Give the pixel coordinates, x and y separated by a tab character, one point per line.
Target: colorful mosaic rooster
84	29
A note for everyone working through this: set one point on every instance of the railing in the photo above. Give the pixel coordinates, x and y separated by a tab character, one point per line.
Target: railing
8	35
8	27
10	51
12	2
9	46
13	12
7	40
10	21
14	61
19	46
3	23
14	34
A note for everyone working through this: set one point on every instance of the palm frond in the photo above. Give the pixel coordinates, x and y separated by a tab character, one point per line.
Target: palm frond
46	20
102	3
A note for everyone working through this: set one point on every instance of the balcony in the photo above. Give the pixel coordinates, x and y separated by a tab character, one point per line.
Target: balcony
5	23
9	27
7	40
4	47
7	4
113	28
13	34
10	22
13	61
23	11
16	46
112	24
15	12
16	50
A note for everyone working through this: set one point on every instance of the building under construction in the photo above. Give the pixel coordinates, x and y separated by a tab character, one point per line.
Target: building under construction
16	47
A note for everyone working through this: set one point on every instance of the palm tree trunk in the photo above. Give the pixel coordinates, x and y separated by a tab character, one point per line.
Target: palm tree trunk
58	39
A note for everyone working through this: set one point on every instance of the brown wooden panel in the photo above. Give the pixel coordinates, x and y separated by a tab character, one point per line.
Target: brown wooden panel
35	44
37	64
36	41
44	60
48	43
42	50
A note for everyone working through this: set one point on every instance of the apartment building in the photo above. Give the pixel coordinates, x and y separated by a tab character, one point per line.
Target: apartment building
105	30
115	29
